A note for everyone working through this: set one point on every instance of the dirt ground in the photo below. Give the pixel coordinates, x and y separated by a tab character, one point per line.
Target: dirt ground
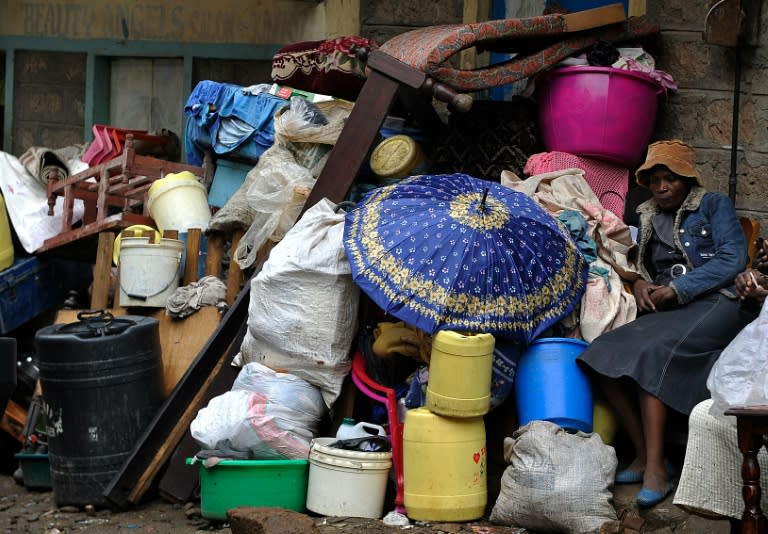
34	512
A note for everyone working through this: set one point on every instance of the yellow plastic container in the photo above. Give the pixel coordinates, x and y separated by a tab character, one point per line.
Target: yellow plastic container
460	370
179	202
604	421
6	243
397	157
444	467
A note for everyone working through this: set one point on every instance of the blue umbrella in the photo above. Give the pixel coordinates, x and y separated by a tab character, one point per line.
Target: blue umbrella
459	253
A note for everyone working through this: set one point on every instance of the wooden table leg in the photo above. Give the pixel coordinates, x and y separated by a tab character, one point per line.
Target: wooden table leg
750	440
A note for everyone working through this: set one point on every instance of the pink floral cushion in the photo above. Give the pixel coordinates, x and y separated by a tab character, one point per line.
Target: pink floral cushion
539	41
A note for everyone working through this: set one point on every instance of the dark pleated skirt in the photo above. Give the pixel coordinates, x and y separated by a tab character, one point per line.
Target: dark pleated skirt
670	353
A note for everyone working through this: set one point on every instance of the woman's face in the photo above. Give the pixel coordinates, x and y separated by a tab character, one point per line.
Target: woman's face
668	188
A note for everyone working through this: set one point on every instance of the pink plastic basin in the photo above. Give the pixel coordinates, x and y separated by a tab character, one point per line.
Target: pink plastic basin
598	112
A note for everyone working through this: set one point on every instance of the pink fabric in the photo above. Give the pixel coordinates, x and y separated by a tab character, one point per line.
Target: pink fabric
609	182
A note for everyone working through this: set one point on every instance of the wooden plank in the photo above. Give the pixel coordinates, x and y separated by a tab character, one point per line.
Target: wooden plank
223	373
12	421
637	8
181	341
159	438
102	271
594	18
235	274
179	481
214	255
192	260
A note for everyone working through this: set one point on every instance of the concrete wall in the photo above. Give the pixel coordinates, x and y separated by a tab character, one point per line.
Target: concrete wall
48	96
48	99
700	112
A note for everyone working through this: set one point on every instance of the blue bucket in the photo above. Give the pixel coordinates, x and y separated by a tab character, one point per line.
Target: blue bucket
550	386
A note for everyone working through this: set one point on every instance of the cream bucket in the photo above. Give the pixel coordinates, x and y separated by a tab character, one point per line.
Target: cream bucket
179	202
346	483
148	272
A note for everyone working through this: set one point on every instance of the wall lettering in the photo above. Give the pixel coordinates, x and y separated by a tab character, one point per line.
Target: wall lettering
194	21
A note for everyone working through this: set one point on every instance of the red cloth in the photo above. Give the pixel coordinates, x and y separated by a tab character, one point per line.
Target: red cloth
608	181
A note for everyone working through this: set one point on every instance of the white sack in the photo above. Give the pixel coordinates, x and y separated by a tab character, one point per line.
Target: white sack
302	317
26	201
556	481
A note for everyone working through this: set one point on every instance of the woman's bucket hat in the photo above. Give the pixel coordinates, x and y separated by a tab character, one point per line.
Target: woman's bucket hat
677	156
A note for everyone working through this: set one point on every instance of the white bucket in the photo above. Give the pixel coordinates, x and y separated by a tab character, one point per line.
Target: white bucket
179	202
148	272
346	483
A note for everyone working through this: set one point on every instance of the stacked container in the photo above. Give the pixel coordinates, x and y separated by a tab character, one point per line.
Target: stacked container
444	451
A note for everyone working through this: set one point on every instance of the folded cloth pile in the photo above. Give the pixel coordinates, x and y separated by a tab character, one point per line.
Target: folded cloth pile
208	291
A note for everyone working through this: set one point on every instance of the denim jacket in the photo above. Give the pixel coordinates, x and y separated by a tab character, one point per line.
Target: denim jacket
708	233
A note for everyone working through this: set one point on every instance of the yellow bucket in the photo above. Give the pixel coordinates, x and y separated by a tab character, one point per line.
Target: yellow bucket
444	467
460	370
179	202
6	243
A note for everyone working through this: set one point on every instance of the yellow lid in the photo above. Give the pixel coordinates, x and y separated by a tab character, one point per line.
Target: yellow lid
139	230
452	342
179	176
395	157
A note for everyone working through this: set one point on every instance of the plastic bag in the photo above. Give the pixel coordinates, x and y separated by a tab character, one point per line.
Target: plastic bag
271	415
276	197
740	375
298	139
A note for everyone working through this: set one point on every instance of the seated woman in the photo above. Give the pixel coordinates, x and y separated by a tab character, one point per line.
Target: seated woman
691	247
710	482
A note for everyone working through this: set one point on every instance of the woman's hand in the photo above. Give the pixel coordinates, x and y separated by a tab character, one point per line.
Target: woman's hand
751	284
652	297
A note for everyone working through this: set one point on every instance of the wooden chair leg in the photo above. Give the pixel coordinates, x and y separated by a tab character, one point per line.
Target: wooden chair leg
749	432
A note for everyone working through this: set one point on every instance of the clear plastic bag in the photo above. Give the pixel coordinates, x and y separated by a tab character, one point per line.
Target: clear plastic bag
740	375
277	197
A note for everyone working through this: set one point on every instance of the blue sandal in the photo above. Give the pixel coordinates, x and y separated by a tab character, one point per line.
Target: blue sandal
647	498
625	476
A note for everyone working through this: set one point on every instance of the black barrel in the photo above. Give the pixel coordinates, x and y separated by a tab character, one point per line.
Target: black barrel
102	382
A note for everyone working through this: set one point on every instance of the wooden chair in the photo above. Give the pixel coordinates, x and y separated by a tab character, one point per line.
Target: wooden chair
751	427
415	66
114	193
751	228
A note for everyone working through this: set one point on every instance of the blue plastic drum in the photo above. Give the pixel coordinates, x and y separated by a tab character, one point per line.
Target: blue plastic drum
550	385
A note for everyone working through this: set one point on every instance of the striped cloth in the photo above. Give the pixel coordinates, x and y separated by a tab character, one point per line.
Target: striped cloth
710	482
